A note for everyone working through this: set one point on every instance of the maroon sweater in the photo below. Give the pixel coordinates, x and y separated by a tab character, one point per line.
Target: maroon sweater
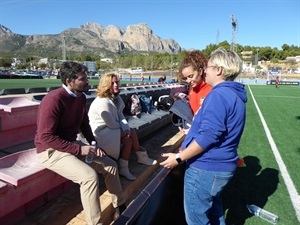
60	117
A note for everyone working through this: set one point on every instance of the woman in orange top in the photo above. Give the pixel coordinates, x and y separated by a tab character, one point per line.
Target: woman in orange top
197	95
192	71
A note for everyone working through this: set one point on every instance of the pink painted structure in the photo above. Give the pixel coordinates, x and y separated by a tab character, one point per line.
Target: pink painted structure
17	120
26	185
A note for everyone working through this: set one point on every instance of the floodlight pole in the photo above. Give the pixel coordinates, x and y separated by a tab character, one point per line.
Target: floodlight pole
234	32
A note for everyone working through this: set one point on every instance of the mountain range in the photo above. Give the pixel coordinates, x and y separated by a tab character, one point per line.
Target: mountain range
91	39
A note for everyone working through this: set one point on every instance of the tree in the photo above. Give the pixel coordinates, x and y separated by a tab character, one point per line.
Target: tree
43	66
6	62
285	47
87	58
153	61
266	54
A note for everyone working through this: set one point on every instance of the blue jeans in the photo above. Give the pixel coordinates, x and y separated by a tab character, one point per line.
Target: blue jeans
202	196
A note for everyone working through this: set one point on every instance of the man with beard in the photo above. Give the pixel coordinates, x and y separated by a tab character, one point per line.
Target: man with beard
62	114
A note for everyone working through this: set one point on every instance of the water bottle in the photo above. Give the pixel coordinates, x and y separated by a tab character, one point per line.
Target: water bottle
155	105
268	216
90	156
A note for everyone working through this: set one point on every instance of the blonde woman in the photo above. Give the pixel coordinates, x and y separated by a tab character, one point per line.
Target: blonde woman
110	126
210	148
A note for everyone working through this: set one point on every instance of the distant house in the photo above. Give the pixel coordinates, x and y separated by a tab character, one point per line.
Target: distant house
293	58
15	62
43	61
135	70
107	60
247	57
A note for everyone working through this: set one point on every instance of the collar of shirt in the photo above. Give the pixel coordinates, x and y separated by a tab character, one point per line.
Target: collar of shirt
70	92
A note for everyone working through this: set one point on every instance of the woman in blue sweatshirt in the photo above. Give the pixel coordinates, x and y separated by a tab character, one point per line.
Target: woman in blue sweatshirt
210	147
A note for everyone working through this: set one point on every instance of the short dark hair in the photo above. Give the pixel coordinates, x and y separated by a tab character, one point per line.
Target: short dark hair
69	70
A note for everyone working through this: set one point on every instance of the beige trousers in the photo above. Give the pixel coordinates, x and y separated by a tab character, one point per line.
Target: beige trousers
76	170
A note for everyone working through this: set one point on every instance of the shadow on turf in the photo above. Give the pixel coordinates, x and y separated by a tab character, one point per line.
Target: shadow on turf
250	185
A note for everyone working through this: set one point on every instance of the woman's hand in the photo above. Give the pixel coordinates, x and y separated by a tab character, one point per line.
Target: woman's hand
170	162
185	131
125	133
100	152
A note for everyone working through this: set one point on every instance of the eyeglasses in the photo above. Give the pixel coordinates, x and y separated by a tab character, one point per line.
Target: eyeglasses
205	68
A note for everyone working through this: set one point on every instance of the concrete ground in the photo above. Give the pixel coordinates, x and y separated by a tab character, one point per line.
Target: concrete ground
67	208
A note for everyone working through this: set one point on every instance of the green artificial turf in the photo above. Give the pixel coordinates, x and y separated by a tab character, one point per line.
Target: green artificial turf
261	182
34	83
28	83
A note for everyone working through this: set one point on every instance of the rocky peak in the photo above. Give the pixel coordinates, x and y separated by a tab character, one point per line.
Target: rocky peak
93	38
139	29
5	31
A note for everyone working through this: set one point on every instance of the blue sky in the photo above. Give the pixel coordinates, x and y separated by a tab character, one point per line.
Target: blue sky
192	23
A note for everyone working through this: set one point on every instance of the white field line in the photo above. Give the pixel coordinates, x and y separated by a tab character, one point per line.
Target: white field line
277	96
294	196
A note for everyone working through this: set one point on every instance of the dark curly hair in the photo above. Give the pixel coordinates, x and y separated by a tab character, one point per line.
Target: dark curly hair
69	70
196	59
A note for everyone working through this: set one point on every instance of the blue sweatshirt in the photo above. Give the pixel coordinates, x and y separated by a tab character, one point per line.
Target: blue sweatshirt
218	127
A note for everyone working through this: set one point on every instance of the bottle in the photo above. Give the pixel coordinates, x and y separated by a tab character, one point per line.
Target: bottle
155	106
90	156
268	216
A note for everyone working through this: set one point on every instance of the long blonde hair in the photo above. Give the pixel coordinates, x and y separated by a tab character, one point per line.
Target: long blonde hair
104	86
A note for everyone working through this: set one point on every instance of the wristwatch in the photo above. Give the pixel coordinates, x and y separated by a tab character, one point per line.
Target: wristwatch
178	159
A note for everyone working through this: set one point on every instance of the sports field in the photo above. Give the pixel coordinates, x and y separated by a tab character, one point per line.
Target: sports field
34	83
270	146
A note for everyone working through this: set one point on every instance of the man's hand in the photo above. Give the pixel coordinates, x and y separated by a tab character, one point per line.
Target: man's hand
95	150
85	149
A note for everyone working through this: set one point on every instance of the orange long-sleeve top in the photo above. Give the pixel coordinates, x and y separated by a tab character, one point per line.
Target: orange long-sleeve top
197	95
